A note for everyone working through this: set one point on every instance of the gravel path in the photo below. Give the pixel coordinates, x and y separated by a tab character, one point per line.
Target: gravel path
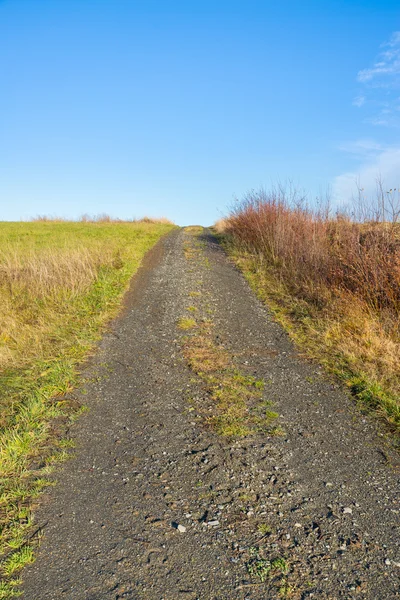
155	506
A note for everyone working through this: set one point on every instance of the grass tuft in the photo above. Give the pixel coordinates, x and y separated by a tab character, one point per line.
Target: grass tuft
261	568
18	560
9	589
186	323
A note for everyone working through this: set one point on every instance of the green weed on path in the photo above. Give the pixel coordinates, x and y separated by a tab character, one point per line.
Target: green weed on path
238	410
60	283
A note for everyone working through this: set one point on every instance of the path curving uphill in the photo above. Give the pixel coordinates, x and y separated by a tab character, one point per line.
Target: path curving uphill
159	503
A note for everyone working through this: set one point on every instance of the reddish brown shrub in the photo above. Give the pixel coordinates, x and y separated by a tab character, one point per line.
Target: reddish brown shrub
318	256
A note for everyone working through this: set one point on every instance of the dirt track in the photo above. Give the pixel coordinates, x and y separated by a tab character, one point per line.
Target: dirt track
313	512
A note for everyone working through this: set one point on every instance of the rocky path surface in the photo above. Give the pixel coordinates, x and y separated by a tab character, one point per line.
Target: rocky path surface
156	506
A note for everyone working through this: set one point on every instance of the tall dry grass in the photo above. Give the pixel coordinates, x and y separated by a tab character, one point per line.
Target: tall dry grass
221	225
101	218
336	275
48	268
37	288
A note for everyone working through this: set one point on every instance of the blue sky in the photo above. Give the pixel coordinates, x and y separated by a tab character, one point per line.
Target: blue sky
176	107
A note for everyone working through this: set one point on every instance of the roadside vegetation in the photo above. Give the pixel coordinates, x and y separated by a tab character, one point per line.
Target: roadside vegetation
237	408
332	281
60	283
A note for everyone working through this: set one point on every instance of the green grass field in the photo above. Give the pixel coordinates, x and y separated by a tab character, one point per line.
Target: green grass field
60	283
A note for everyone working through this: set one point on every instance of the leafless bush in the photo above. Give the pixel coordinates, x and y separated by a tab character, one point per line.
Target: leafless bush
318	255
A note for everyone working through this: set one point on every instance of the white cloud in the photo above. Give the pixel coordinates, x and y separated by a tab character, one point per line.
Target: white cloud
380	121
381	68
376	162
380	85
394	40
362	148
372	160
387	63
359	101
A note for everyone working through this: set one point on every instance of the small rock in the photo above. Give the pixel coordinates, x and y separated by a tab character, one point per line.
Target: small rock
388	562
298	525
213	523
347	510
328	484
179	527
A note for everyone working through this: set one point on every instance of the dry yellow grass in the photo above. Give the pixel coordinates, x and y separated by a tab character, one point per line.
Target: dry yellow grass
221	225
102	218
35	287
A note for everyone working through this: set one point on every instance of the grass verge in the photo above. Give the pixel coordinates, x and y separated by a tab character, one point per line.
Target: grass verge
237	406
344	335
60	283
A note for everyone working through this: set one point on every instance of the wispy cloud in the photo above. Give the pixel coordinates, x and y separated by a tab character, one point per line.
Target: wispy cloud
381	86
394	40
379	101
387	64
376	161
380	120
362	148
359	101
391	67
